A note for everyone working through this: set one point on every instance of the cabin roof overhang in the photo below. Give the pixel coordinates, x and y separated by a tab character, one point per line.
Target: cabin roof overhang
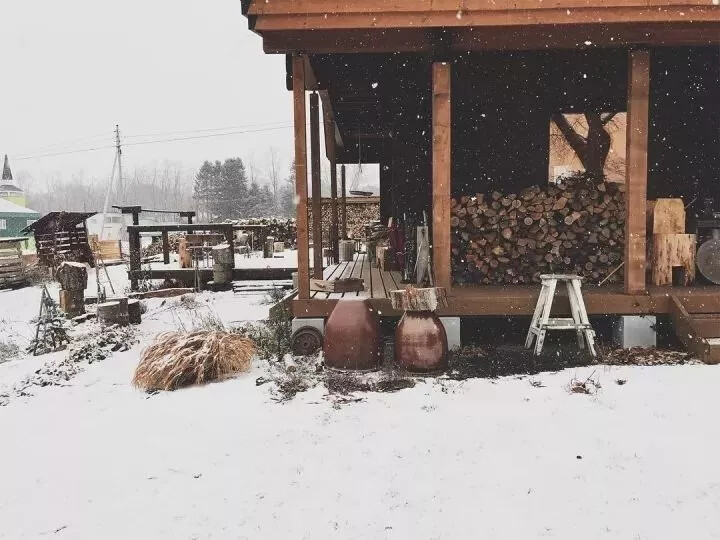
317	26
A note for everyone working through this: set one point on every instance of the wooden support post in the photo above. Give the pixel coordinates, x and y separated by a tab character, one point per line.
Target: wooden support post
386	199
134	241
230	241
441	173
316	185
636	170
301	177
166	247
334	227
343	226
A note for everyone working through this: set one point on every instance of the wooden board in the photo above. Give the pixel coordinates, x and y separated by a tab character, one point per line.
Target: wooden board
636	171
441	173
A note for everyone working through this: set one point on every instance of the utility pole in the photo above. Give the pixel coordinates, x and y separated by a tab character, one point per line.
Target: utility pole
118	148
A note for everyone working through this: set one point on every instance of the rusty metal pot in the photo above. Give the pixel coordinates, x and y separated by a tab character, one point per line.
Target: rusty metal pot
353	340
421	342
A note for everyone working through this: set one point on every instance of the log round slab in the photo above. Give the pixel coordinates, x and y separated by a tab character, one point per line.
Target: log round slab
421	343
134	311
353	340
113	312
414	299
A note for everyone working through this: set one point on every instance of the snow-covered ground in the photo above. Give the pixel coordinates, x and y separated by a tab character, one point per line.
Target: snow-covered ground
98	459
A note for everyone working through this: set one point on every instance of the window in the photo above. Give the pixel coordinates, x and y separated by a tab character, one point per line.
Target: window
565	159
3	224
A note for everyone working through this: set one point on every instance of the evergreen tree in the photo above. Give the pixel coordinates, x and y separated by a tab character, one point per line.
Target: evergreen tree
221	188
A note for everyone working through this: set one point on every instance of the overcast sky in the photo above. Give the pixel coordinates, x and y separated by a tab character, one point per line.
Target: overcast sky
72	69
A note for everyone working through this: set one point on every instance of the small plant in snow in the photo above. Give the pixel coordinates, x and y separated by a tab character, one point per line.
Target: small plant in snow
98	346
9	350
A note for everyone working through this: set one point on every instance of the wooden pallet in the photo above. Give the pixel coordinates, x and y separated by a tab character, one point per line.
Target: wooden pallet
699	332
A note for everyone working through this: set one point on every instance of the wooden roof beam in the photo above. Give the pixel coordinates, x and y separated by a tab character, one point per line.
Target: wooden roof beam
332	131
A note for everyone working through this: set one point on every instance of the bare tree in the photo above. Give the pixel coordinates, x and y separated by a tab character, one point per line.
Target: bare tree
592	148
273	172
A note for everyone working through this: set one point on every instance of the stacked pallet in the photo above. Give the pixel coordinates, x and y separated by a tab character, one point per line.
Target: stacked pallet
12	267
575	227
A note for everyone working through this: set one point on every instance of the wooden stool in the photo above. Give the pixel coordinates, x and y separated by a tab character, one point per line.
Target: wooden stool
541	321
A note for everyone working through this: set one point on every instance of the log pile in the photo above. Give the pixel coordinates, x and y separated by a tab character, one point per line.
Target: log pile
156	248
360	212
576	227
283	230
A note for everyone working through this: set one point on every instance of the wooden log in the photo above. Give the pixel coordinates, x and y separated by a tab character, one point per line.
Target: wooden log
113	312
268	248
671	251
414	299
221	254
72	276
668	216
166	247
342	285
278	247
347	250
72	302
184	255
134	311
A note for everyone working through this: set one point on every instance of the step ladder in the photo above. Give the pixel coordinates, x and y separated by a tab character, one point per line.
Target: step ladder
542	322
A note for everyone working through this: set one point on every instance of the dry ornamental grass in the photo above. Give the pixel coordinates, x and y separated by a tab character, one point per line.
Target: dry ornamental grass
178	359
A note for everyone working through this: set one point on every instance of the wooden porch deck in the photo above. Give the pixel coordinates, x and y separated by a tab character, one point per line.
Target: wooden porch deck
503	300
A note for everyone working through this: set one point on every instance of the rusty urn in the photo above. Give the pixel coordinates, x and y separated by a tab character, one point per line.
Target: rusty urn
420	340
353	339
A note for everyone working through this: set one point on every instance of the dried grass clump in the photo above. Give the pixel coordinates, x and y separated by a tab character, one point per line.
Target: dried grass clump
178	359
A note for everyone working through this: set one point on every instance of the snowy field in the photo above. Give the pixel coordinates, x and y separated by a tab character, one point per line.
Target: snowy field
518	457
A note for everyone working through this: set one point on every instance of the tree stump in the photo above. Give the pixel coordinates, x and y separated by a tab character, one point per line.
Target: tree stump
223	262
72	277
278	247
134	311
347	250
184	254
113	312
72	303
673	250
269	248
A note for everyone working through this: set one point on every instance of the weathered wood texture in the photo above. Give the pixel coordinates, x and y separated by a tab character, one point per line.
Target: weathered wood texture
301	176
441	172
636	170
362	14
668	216
343	207
673	251
72	276
340	285
413	299
316	184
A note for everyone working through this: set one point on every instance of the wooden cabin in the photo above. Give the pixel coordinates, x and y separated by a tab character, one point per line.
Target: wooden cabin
455	97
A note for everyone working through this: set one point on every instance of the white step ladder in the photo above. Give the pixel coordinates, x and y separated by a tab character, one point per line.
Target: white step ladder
542	322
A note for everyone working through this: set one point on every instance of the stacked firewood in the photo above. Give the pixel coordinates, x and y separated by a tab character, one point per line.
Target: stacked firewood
359	214
574	227
156	248
283	230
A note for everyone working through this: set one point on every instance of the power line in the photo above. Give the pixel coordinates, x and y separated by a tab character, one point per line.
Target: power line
140	143
205	130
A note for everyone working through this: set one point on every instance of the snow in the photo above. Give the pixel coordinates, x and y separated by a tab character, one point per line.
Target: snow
446	459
